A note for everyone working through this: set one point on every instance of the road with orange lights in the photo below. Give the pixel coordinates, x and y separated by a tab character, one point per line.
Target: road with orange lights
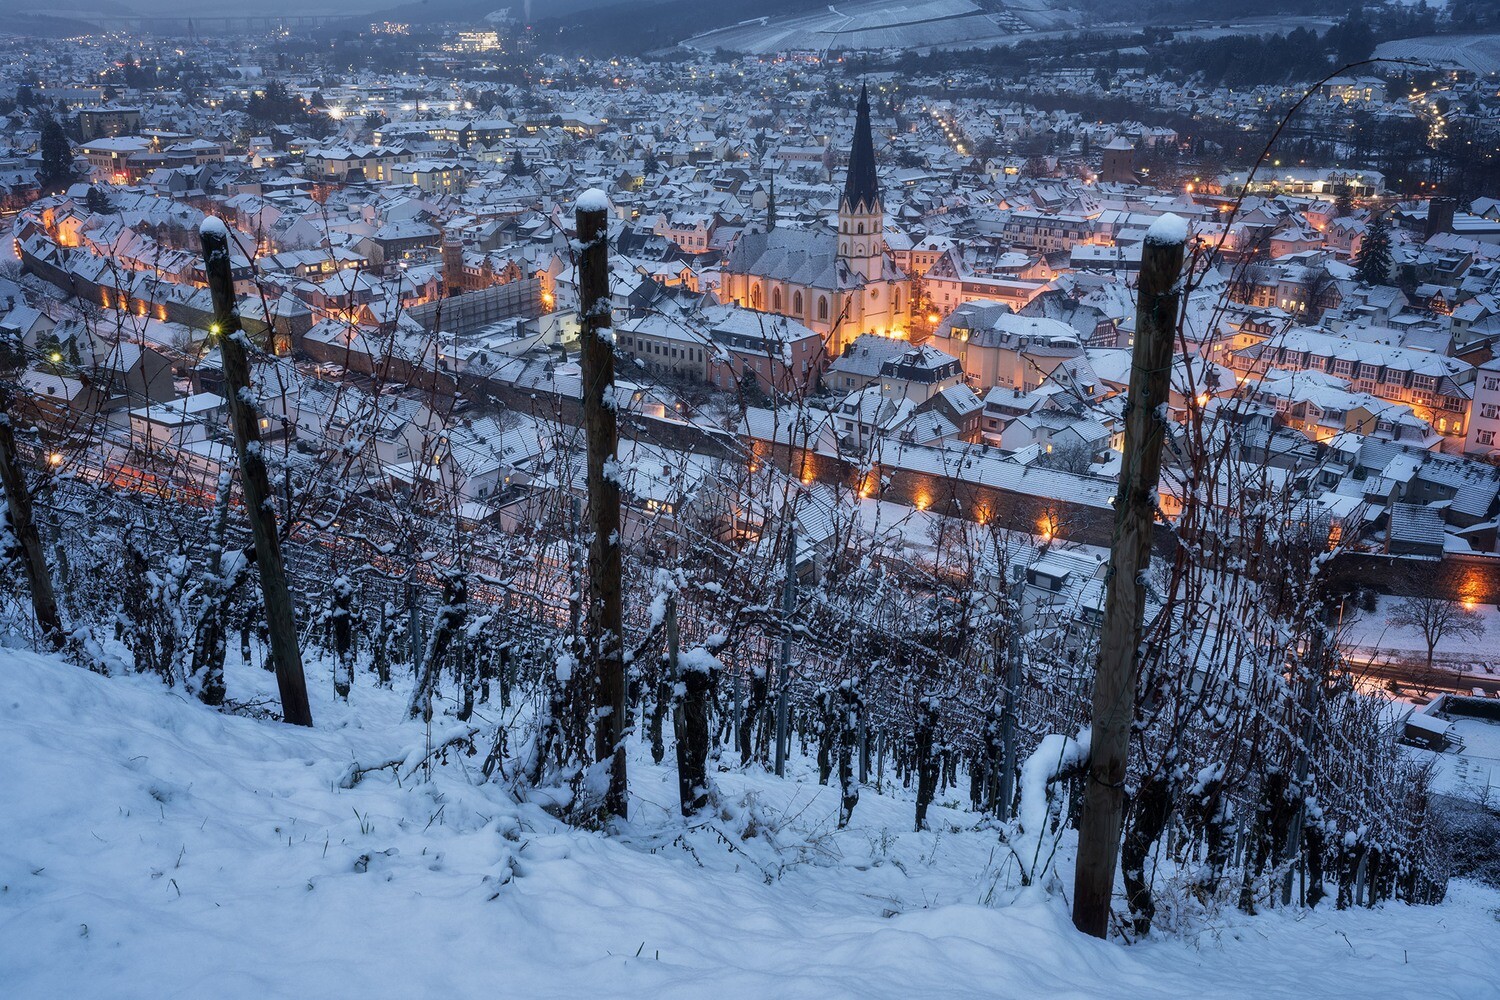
1375	669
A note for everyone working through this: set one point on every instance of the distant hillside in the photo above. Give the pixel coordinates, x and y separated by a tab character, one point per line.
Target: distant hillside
38	25
175	8
70	7
630	28
878	24
433	11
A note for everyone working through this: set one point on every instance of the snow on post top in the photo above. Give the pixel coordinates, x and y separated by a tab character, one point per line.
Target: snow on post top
593	200
1168	228
212	225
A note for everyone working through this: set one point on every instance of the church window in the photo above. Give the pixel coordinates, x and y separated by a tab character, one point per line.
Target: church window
776	300
797	303
822	308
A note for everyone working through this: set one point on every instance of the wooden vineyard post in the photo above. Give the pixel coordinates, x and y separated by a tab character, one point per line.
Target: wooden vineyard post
1130	557
275	594
606	605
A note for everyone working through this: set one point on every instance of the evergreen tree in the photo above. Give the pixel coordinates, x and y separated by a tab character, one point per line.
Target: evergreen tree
518	165
1352	39
277	104
98	202
1343	203
57	155
1374	266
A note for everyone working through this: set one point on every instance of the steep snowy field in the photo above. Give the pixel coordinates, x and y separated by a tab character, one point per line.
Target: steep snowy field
150	847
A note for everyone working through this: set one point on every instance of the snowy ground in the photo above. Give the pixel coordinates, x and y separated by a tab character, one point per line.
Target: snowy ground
150	847
1370	631
1477	53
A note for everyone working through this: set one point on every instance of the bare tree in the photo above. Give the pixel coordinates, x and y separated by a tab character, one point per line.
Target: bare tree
1437	619
1077	458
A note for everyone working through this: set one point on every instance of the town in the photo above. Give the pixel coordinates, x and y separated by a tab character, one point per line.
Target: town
928	282
874	306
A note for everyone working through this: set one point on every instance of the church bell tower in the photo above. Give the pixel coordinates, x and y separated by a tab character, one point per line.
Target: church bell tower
453	262
861	214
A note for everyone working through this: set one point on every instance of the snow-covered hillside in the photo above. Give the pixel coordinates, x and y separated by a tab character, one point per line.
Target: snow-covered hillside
151	847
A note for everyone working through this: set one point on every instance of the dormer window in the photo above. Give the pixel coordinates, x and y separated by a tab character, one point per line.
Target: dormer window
1046	579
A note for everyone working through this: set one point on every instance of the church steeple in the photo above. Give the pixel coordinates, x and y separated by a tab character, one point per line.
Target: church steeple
861	186
861	214
771	206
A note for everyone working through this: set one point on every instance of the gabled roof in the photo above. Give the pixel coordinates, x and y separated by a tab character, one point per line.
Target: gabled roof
1475	485
867	353
961	399
923	364
1416	525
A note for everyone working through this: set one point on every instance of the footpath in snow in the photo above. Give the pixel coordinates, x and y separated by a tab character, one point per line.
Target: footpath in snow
151	847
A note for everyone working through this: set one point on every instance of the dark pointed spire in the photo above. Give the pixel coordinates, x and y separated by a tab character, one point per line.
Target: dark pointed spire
771	206
861	187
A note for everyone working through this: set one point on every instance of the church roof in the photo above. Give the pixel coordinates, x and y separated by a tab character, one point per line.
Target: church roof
861	187
793	256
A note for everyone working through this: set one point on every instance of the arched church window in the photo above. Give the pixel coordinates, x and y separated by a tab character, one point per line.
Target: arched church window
822	307
776	300
755	299
797	303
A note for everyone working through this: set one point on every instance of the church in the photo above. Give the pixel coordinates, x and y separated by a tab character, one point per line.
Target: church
841	286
